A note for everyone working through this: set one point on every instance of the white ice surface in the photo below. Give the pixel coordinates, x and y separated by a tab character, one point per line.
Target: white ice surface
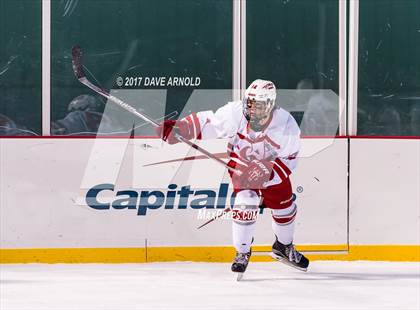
327	285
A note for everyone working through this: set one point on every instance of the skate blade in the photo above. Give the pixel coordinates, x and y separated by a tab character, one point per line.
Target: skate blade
286	262
239	276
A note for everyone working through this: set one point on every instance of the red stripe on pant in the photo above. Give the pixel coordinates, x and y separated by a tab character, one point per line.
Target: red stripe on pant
284	220
279	172
283	165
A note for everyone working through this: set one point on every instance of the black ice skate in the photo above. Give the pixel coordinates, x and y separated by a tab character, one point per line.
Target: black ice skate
240	263
287	254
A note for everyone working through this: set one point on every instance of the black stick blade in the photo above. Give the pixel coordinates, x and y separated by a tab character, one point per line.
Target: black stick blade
76	53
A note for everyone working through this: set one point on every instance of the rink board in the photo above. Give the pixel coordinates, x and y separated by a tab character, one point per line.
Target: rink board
45	183
202	254
44	215
384	191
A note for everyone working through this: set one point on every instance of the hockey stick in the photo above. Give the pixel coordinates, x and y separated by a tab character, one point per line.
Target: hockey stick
81	76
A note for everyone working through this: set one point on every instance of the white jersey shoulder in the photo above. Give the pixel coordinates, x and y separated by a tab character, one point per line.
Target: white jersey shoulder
285	131
280	139
283	127
223	123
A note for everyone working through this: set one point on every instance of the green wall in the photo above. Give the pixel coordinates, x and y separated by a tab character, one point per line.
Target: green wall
20	65
389	68
288	41
148	38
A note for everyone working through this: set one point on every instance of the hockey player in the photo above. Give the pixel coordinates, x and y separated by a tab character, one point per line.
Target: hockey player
263	146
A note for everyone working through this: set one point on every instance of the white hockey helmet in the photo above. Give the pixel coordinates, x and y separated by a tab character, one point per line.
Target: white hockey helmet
263	92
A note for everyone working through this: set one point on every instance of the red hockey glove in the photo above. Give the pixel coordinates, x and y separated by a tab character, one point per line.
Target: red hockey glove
256	174
237	178
169	128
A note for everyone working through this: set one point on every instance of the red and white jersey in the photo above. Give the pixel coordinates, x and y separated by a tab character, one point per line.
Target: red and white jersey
278	141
